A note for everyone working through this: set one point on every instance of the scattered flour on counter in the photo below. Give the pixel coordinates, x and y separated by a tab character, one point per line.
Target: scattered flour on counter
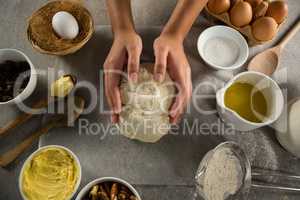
223	176
221	51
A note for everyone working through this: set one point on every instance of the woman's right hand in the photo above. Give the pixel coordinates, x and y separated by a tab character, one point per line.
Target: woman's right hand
125	51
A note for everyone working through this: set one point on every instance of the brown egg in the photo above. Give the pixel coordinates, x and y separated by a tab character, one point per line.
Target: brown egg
264	28
241	14
254	3
218	6
261	10
233	2
278	10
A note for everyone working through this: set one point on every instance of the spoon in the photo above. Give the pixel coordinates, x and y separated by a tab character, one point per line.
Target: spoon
56	121
252	177
267	61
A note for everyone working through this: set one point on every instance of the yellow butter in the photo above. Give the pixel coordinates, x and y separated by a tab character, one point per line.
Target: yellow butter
50	174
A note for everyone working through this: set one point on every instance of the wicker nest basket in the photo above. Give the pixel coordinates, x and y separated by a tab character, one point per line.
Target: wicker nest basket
42	36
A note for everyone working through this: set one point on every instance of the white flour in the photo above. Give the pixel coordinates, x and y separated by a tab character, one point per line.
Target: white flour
223	175
221	51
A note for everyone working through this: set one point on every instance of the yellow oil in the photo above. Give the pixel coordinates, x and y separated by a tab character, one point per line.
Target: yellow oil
246	100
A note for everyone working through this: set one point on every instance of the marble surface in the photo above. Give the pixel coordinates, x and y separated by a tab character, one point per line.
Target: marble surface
261	143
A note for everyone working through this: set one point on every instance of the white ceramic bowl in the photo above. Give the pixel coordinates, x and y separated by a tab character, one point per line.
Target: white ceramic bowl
228	33
45	147
16	55
89	186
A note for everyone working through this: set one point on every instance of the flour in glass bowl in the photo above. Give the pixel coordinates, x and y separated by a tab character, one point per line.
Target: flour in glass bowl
223	175
221	51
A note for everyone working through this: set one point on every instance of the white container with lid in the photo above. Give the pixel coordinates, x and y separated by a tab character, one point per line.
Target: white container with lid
288	127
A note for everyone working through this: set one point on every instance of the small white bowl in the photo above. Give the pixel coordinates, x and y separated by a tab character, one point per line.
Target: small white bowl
39	150
16	55
228	33
89	186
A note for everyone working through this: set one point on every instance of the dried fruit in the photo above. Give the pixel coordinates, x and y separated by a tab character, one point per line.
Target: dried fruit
13	74
94	192
110	191
103	196
132	197
114	191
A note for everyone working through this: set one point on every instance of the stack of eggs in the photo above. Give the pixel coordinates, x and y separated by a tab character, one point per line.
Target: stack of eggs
262	16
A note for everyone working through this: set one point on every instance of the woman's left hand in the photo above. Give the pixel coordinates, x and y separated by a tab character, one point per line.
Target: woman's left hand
170	56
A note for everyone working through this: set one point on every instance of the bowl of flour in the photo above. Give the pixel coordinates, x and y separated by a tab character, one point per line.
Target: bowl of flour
224	173
223	48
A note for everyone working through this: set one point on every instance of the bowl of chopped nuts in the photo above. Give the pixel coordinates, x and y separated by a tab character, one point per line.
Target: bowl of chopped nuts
108	188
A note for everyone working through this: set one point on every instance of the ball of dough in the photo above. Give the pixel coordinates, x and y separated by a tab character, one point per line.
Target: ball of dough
145	115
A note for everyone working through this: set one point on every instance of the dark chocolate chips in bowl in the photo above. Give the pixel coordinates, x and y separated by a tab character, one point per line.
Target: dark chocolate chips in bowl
13	75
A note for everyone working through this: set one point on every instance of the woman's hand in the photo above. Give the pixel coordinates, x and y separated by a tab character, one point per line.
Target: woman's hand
125	51
170	56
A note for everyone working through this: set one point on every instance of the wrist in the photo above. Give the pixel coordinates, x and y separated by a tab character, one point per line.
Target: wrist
123	30
174	35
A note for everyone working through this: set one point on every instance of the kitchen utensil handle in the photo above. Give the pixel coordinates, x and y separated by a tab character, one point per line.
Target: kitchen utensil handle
11	155
259	174
274	187
290	34
21	119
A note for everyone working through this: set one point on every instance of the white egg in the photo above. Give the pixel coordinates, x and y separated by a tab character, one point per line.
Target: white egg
65	25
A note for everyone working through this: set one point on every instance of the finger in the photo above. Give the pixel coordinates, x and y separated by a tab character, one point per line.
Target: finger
179	108
116	100
190	86
112	91
134	54
177	105
178	112
176	119
107	90
114	118
160	66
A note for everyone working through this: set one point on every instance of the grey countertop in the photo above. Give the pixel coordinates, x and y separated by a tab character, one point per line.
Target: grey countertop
259	144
